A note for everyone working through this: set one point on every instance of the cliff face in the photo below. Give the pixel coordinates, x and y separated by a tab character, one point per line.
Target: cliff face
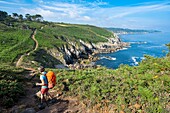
72	51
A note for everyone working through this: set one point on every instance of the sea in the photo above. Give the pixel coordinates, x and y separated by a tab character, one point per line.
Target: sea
141	44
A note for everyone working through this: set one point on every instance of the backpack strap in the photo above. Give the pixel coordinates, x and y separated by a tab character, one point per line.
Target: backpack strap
44	73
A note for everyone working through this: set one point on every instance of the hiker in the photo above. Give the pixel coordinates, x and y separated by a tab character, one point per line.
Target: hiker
43	84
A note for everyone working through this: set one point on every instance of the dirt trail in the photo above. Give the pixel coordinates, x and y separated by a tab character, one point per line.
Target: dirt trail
63	105
19	62
36	42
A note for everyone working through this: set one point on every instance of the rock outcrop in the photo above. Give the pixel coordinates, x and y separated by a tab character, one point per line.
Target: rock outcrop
73	51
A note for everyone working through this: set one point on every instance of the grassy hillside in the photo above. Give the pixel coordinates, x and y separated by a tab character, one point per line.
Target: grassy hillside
76	32
144	88
13	42
16	39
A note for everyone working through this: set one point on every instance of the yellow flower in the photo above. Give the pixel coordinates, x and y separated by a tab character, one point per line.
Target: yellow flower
156	99
155	76
155	63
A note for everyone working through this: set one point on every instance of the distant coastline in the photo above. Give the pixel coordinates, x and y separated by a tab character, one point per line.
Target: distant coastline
120	31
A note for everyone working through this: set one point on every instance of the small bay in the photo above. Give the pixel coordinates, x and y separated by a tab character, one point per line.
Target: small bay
152	44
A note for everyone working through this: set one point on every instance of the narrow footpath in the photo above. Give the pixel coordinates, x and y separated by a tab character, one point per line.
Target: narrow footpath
19	62
29	104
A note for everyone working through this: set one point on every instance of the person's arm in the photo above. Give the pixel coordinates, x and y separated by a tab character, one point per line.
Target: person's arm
41	84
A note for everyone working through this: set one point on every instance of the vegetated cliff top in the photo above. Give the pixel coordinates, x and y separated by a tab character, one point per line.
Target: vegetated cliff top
15	35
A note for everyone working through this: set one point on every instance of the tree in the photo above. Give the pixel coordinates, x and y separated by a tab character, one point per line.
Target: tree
33	17
15	15
36	17
39	17
9	19
3	15
20	17
28	17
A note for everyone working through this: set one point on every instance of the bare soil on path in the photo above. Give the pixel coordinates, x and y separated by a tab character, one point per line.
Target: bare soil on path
62	105
19	62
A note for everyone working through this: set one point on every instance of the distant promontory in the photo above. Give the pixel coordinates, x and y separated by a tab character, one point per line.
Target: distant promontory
130	31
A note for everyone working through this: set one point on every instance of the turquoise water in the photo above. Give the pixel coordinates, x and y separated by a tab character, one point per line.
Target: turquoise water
140	44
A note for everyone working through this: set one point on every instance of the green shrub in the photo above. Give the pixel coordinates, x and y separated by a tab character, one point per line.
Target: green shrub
135	88
11	85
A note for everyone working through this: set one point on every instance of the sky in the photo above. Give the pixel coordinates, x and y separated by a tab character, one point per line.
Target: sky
133	14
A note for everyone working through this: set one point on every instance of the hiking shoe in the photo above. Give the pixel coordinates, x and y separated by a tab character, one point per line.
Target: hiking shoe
41	106
52	101
35	96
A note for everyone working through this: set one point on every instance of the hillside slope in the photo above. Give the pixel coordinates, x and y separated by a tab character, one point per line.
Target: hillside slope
144	88
59	43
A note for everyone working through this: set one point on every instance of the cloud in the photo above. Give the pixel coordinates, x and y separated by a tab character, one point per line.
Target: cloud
101	16
120	12
97	3
87	18
5	7
60	12
39	1
44	13
97	12
12	3
66	10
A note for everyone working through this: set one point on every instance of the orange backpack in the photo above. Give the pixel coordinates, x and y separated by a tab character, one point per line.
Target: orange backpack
51	79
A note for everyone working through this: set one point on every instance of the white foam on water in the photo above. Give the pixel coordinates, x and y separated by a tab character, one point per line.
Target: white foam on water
142	58
135	61
155	47
124	48
108	58
138	42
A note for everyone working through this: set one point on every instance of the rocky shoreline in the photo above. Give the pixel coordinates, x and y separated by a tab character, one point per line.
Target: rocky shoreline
84	56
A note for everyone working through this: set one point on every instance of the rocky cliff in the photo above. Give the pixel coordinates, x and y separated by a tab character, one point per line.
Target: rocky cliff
74	51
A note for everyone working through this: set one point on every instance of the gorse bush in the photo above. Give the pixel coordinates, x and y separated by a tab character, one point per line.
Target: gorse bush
141	88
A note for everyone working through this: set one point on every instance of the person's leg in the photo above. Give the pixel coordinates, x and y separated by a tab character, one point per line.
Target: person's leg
42	97
49	95
52	100
43	91
41	105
